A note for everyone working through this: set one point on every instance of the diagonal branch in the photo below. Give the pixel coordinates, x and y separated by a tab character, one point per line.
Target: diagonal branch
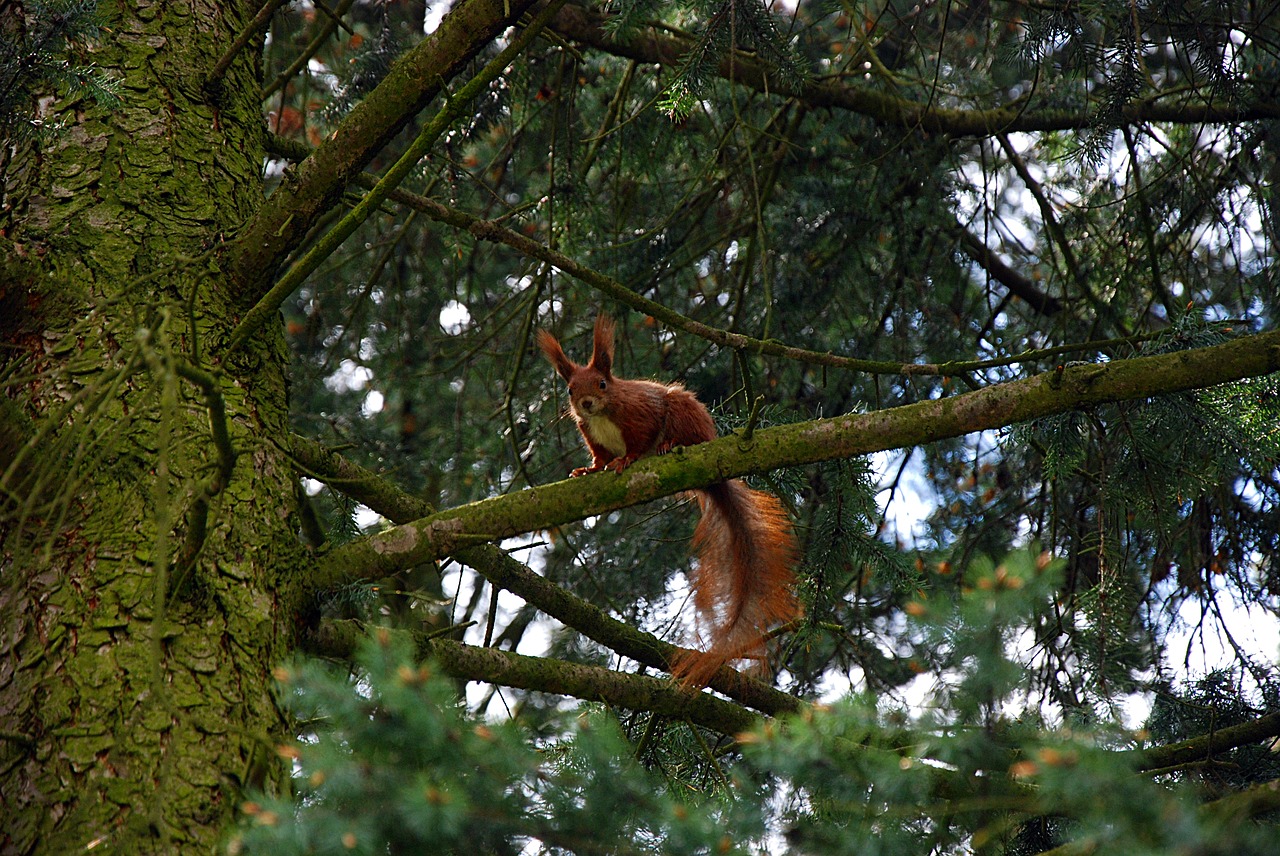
588	27
454	109
1208	745
545	674
317	183
507	573
1017	284
1067	388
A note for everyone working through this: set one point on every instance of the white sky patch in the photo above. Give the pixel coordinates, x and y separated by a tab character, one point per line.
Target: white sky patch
458	584
435	14
366	517
1195	646
454	317
373	404
910	504
350	377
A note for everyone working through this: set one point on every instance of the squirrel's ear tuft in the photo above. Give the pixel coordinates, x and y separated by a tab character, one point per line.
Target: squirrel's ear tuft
548	344
602	352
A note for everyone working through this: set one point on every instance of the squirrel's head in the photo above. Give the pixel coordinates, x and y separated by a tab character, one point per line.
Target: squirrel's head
589	384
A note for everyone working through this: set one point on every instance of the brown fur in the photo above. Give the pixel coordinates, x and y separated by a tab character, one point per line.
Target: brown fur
744	582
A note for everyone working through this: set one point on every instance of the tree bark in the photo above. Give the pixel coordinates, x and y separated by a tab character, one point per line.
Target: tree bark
1074	387
146	581
149	562
590	27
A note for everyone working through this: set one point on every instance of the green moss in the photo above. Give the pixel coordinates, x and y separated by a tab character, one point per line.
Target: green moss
93	668
83	750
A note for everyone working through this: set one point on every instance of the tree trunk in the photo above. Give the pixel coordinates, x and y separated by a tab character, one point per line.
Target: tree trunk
145	573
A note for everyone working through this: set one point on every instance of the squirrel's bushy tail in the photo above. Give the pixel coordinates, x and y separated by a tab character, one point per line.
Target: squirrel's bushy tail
744	581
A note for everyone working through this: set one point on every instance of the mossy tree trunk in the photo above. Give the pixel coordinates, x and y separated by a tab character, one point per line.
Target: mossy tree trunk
145	578
151	573
150	570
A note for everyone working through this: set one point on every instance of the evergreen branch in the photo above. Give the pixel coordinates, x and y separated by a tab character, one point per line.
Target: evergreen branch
591	683
491	230
502	571
455	107
1254	800
590	28
560	677
213	83
332	19
494	232
1208	745
286	216
507	573
1066	389
1257	799
317	461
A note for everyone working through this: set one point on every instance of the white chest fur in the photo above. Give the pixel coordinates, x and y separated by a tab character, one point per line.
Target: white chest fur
606	432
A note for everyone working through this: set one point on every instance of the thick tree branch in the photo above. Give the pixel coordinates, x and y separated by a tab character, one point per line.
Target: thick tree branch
587	27
1018	285
544	674
507	573
454	109
1067	388
316	183
1208	745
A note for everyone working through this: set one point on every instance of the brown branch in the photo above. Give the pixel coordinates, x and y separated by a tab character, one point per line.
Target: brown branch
1208	745
544	674
207	488
1018	285
587	27
507	573
314	185
1067	388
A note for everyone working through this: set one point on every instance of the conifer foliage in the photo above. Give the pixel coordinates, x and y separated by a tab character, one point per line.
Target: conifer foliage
984	292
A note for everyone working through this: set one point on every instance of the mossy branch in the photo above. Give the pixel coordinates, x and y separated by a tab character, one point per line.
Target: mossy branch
545	674
455	108
1208	745
500	569
1068	388
310	189
589	27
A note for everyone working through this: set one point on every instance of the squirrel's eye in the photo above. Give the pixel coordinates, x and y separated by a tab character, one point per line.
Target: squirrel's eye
603	385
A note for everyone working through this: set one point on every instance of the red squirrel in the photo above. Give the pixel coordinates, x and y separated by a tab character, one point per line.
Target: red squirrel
743	583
